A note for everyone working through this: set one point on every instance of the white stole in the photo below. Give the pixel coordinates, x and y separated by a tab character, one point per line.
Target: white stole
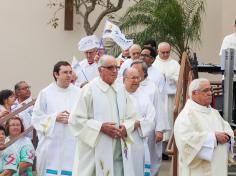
103	149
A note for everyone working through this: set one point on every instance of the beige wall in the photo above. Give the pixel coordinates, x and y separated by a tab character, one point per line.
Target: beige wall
29	47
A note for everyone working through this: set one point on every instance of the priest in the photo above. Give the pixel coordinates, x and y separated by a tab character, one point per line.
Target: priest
56	147
144	123
102	122
204	139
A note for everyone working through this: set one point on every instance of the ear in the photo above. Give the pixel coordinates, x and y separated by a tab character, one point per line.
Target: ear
55	74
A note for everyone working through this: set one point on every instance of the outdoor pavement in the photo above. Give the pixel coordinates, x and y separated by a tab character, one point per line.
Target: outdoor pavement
165	169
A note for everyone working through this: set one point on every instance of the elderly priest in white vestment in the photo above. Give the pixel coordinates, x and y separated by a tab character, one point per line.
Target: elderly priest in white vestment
144	123
102	122
204	139
55	151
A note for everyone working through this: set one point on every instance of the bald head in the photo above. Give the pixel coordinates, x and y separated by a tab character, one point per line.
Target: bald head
131	79
135	51
164	50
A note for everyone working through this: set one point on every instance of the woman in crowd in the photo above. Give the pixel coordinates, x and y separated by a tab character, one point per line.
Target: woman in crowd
8	157
22	146
7	99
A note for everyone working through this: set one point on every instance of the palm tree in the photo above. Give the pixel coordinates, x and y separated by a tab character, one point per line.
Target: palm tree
177	22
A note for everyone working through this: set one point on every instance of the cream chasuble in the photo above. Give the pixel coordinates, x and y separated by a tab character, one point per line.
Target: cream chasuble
194	131
56	147
96	153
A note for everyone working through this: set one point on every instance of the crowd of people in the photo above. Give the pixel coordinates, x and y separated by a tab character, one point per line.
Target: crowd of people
113	116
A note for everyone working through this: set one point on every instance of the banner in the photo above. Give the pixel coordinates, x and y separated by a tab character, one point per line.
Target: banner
113	31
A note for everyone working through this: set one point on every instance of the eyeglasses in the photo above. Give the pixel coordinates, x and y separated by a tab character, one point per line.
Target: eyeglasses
136	78
146	55
111	67
25	88
165	52
136	53
206	90
15	125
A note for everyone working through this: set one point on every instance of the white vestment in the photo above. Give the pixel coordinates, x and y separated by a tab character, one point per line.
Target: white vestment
194	132
86	125
25	115
170	69
150	90
84	71
139	150
56	147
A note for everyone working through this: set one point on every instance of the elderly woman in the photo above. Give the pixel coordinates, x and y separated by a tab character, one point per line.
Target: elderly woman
23	146
7	99
8	157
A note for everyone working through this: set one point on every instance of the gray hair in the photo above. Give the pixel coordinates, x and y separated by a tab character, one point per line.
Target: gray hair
103	59
144	66
195	85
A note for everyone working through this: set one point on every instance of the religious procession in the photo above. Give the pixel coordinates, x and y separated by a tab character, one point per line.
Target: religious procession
122	115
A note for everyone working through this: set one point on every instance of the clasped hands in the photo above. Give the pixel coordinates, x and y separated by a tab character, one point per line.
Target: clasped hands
110	129
222	137
63	117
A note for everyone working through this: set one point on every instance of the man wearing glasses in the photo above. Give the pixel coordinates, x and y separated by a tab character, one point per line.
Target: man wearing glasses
86	69
102	122
23	96
204	139
134	51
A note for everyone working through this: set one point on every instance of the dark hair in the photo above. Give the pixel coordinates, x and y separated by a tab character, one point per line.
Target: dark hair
8	123
2	129
153	53
5	94
144	66
57	67
235	22
151	42
17	85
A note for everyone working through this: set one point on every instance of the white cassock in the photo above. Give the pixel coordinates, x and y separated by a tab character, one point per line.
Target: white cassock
170	69
194	132
149	89
96	153
25	115
228	42
56	147
139	150
84	71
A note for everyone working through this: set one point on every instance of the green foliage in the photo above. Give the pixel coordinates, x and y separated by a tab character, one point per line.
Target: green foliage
177	22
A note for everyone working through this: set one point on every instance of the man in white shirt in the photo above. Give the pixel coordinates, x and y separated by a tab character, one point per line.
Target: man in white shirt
86	69
203	138
56	147
229	41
